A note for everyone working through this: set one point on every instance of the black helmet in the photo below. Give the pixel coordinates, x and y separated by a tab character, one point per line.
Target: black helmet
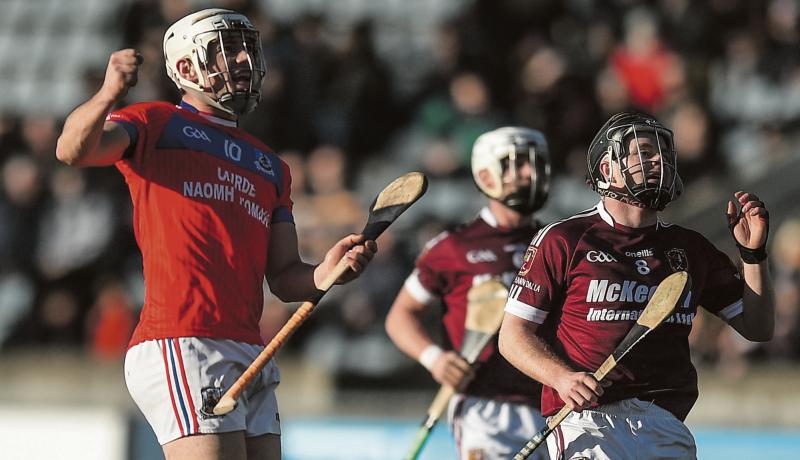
613	140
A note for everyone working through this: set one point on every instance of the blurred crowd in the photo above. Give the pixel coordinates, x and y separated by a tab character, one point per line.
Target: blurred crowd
724	74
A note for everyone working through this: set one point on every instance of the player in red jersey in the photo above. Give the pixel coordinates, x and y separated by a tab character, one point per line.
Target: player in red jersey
586	279
213	218
497	407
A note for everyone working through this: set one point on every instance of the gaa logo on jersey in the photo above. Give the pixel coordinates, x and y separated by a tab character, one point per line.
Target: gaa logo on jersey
196	133
264	164
599	256
481	255
527	260
677	259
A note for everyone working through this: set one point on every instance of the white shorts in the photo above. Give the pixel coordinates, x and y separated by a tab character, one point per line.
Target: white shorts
627	429
176	383
489	429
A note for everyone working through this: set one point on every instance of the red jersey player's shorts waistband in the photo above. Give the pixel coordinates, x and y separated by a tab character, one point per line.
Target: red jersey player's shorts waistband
633	406
140	336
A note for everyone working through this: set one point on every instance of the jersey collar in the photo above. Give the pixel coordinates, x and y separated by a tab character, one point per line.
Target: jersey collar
609	219
487	216
213	119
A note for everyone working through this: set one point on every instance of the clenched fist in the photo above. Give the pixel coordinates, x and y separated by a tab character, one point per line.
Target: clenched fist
121	74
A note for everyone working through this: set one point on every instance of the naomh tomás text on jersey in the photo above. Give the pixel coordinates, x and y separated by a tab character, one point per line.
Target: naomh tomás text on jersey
205	195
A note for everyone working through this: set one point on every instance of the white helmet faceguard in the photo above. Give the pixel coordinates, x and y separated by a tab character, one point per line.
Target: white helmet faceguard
504	149
228	33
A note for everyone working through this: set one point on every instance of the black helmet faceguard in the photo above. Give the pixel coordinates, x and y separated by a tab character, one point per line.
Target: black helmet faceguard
649	169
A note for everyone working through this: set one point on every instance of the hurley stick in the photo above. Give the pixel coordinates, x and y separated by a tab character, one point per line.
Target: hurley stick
387	207
485	302
669	294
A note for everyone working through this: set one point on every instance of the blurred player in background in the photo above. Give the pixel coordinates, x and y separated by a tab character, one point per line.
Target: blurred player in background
590	275
497	408
213	217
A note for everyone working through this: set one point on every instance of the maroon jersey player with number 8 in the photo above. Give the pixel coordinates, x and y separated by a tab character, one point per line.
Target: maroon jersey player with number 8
586	279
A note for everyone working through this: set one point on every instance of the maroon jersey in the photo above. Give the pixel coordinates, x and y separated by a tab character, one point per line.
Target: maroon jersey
448	267
586	279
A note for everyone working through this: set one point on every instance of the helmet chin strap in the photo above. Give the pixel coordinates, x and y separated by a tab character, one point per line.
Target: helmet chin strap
204	97
519	200
235	103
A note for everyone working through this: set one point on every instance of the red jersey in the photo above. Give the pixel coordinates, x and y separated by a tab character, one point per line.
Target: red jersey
590	278
448	267
205	195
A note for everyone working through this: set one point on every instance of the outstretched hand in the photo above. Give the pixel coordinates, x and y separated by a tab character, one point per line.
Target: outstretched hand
750	226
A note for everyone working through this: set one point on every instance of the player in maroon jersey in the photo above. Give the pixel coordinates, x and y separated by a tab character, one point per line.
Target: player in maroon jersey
586	279
497	407
213	218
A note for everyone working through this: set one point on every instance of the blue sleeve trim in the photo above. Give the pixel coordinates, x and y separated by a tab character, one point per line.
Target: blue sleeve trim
133	133
282	214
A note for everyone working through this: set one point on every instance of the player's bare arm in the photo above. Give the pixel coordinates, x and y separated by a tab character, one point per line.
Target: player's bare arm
404	324
87	139
292	280
750	226
520	345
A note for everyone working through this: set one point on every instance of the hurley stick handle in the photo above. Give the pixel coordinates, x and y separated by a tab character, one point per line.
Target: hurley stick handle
435	411
228	401
542	435
387	207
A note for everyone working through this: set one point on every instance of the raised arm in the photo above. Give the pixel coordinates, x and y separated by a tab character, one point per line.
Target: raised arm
87	139
526	351
750	228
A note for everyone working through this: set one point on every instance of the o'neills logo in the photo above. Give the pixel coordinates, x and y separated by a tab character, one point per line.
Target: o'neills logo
649	252
527	260
627	291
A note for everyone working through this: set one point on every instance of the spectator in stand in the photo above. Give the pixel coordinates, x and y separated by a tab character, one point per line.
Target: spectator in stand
643	62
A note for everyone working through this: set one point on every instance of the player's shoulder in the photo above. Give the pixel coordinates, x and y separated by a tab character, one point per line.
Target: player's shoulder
477	226
144	111
684	234
437	243
253	140
460	236
448	240
570	229
262	149
152	107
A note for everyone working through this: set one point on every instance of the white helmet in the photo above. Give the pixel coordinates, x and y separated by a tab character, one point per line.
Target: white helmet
497	150
231	32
